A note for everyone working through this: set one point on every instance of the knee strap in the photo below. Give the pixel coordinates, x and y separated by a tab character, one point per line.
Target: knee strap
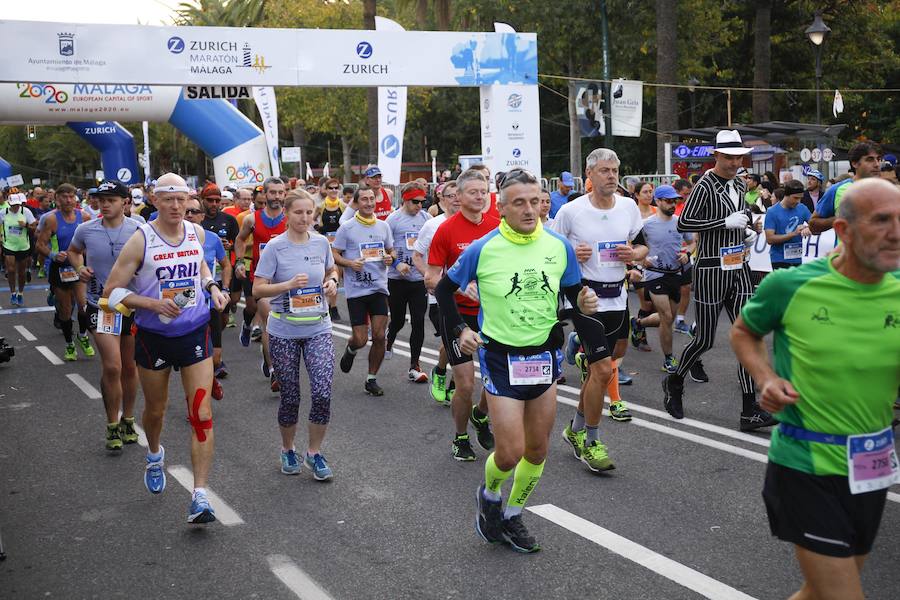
199	426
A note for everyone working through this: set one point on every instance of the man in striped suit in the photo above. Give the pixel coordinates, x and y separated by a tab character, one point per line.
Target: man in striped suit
717	211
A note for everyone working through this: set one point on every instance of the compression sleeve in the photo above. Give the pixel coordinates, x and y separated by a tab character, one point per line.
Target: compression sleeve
444	291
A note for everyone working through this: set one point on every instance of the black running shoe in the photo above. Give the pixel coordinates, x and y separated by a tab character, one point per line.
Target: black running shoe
515	532
488	518
483	430
697	373
347	360
673	388
373	389
757	419
462	448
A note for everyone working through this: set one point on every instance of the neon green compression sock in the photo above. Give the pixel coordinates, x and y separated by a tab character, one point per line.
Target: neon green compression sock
493	478
525	480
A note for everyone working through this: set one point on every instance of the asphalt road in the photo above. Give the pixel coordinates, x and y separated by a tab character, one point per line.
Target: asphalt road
680	517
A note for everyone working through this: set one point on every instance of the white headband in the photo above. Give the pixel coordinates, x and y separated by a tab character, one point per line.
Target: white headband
172	188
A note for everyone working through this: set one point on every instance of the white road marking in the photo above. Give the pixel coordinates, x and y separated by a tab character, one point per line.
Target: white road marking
295	578
29	337
224	513
685	435
142	437
89	390
681	574
22	311
48	354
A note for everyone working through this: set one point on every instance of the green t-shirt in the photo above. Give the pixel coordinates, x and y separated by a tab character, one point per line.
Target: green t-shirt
838	342
518	284
752	196
15	228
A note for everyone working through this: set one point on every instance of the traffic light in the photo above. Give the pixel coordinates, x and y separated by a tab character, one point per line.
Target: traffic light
31	131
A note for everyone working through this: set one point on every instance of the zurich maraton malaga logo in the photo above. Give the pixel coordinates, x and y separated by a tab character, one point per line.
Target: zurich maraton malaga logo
390	146
514	100
364	50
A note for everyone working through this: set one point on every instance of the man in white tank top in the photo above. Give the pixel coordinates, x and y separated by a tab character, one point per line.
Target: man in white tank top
163	262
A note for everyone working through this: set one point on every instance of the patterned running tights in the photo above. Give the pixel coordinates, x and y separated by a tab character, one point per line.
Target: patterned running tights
318	355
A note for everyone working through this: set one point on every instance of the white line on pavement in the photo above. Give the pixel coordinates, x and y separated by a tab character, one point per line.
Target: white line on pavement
48	354
89	390
675	571
29	337
224	513
22	311
295	578
685	435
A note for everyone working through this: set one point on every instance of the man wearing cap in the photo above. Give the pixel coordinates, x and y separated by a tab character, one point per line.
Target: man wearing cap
667	260
718	212
17	221
92	253
561	195
814	180
753	181
786	226
865	161
383	198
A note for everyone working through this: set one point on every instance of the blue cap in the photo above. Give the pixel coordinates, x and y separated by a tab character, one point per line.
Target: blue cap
891	159
815	173
372	172
92	192
566	179
666	192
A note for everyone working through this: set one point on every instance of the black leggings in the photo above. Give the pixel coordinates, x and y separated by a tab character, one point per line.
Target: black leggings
403	293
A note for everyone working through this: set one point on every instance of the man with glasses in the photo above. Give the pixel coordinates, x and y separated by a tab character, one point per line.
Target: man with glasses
92	253
163	263
448	202
605	229
383	198
406	286
216	256
328	222
520	270
258	228
450	239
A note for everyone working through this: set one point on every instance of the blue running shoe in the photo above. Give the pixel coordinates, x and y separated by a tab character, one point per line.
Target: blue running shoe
155	475
245	335
20	300
290	465
200	511
13	299
321	470
572	344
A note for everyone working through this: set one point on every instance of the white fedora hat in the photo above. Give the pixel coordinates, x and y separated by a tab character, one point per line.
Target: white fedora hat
729	142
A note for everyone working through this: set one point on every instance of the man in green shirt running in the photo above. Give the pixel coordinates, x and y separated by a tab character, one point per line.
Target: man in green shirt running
832	457
520	269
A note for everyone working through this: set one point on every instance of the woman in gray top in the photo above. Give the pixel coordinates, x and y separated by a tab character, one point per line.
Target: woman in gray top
296	270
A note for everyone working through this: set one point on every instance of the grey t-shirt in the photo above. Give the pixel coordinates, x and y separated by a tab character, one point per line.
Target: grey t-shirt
355	240
280	260
101	247
405	229
664	241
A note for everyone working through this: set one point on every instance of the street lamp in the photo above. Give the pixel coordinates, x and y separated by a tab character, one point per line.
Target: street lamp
692	88
816	34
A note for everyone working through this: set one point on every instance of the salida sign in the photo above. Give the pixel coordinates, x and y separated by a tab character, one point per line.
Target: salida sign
216	92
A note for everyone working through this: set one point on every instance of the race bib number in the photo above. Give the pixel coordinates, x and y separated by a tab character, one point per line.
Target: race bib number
535	369
607	255
411	237
872	461
109	323
371	251
307	300
181	291
15	230
731	258
68	275
793	250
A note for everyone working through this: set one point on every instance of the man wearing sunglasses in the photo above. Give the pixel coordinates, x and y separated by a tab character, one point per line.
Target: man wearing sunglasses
520	269
406	285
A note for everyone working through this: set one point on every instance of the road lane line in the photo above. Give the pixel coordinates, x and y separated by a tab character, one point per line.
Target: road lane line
681	574
89	390
48	354
224	513
295	578
22	311
29	337
674	432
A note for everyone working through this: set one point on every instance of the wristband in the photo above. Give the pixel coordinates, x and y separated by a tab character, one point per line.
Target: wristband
116	297
80	269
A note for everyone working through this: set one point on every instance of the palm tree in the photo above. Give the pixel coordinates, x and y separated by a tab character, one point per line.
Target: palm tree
221	13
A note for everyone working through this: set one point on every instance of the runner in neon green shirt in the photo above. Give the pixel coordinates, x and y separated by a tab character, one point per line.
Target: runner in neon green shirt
520	269
837	370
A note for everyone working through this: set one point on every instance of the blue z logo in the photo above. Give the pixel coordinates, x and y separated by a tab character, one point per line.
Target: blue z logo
175	45
364	50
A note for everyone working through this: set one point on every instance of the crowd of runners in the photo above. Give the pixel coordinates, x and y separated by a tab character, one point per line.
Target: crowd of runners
501	267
